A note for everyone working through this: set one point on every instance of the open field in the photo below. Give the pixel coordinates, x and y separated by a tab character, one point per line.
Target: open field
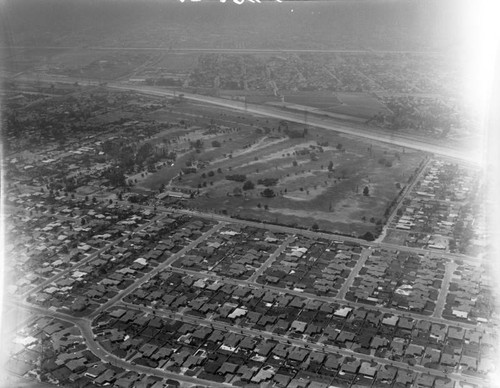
317	178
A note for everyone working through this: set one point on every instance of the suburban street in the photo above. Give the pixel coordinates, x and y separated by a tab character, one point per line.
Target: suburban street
84	262
368	247
441	301
152	273
354	272
271	258
319	347
84	324
85	327
408	188
329	299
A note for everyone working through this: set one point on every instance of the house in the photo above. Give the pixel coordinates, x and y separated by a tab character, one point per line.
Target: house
298	326
226	368
350	365
246	372
368	369
264	374
333	361
107	377
386	373
298	355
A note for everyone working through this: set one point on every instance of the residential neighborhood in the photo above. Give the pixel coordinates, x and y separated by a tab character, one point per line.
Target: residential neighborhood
275	194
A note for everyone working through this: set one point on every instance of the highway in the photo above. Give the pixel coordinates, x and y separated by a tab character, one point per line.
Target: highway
392	138
84	324
312	120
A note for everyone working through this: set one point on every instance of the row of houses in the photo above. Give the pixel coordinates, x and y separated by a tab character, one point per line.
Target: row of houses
399	280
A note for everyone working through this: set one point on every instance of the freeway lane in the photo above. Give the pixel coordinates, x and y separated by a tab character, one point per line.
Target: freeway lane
403	140
267	111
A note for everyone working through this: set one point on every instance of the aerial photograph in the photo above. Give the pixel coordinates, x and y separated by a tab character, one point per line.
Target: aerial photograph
248	193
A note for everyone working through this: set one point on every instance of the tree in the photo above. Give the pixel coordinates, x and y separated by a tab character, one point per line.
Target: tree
269	193
368	236
315	227
248	185
237	191
330	166
366	191
144	152
216	143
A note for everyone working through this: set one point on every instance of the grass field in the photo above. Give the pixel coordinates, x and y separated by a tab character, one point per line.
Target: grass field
306	191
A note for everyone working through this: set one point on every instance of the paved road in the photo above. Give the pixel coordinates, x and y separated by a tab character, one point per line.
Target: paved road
406	190
86	330
320	347
307	233
271	258
373	134
354	272
84	323
152	273
329	299
86	260
267	111
443	292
